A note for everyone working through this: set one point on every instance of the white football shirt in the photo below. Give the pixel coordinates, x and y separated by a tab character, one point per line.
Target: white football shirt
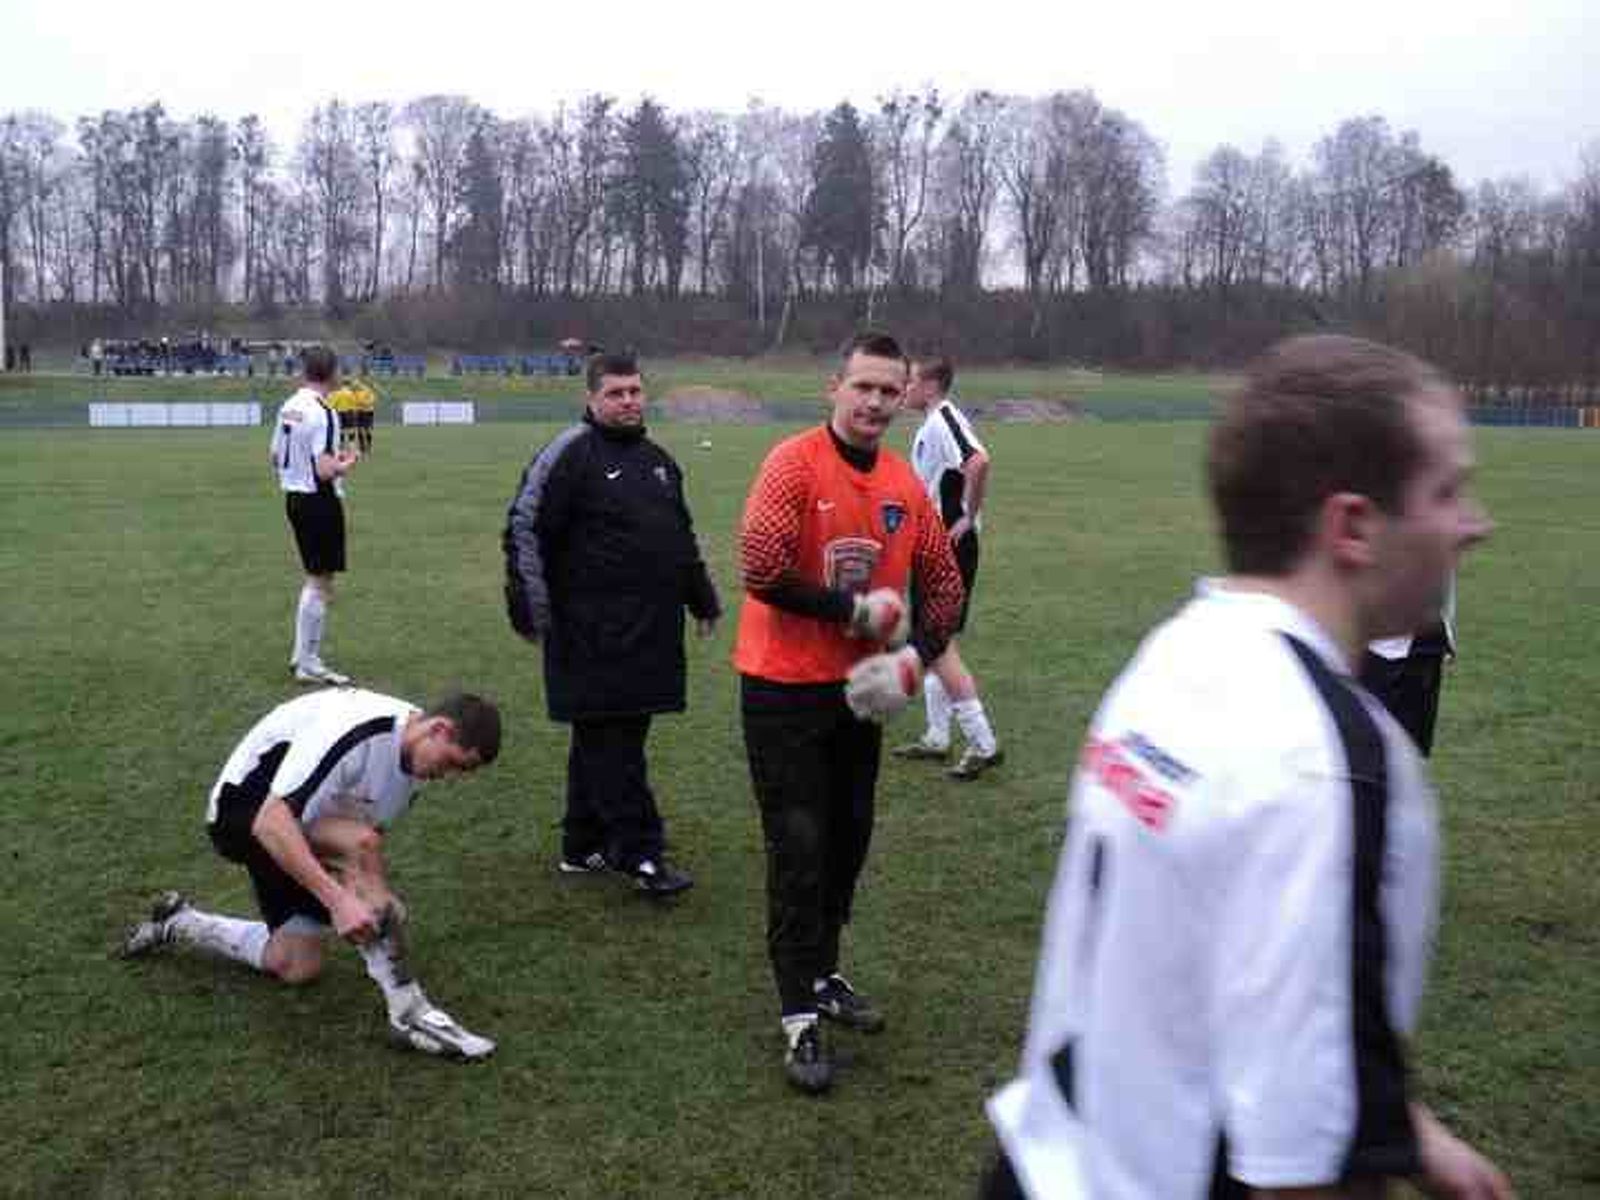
939	449
1239	928
306	428
337	753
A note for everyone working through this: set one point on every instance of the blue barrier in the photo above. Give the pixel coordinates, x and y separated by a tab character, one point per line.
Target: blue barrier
399	364
1534	416
522	364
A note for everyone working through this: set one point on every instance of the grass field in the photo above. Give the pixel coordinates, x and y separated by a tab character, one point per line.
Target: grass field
149	581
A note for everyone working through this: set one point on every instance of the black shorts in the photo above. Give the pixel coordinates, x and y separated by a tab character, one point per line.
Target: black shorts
966	552
317	519
278	895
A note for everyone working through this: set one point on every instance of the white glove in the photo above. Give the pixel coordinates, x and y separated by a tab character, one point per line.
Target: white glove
881	616
880	685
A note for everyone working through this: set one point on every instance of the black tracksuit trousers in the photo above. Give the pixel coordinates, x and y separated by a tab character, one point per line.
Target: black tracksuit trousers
610	806
814	769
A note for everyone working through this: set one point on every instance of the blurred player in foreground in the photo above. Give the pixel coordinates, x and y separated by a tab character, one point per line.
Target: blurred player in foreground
1242	919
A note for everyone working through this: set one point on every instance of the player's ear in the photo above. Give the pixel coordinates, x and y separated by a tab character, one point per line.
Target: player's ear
1347	524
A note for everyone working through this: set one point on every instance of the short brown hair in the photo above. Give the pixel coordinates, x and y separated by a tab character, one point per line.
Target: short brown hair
319	364
874	343
477	723
1315	416
602	364
938	368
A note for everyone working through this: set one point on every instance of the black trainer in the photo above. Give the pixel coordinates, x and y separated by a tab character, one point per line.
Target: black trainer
840	1002
807	1062
593	863
658	877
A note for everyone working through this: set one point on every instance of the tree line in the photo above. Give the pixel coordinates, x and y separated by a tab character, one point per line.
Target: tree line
1005	225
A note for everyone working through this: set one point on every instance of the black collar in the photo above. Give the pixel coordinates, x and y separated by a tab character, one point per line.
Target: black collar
861	460
611	434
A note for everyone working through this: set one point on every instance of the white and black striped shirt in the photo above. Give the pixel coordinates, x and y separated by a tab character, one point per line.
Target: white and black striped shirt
939	449
306	428
334	752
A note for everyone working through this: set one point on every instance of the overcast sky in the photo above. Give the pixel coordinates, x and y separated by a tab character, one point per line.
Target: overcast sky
1495	88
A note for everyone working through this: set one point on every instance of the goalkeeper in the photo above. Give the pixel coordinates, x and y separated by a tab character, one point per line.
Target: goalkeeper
835	529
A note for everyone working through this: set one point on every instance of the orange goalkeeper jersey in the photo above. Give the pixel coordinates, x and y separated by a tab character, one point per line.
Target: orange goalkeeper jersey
812	517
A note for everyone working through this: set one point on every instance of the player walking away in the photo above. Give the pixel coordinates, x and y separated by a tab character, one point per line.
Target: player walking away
1240	925
1407	672
303	804
954	466
601	564
311	469
836	528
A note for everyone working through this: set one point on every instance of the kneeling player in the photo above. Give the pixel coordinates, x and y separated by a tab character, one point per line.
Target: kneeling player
302	804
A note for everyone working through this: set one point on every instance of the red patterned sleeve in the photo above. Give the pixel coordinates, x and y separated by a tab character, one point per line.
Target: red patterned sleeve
769	538
938	585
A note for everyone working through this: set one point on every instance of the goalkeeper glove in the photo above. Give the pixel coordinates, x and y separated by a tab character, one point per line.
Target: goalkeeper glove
880	685
881	616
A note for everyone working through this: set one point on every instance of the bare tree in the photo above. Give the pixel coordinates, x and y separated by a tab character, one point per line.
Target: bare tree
378	156
1035	179
904	136
252	151
969	180
440	127
715	161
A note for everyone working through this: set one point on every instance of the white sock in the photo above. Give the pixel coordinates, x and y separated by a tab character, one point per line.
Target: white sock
386	964
975	725
937	702
225	937
794	1026
308	619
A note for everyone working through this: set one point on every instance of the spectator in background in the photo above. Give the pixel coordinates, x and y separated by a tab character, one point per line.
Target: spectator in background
25	357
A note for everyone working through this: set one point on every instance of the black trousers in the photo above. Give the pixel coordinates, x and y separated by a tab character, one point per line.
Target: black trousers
814	769
1000	1181
610	806
1409	689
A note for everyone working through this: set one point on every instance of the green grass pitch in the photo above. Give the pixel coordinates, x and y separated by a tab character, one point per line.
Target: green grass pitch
148	588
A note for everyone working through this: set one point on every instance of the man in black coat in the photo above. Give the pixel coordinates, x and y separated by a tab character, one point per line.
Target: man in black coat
601	563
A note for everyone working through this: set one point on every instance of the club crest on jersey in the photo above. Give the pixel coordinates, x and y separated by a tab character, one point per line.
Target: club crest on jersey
661	475
847	563
894	516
